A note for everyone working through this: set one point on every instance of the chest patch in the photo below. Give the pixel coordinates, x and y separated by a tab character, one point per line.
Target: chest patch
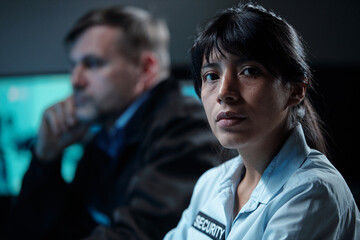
209	226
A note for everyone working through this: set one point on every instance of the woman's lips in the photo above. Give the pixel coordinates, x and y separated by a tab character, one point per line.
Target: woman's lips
229	119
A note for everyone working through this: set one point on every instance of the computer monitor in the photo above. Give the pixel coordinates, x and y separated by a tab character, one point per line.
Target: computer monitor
22	102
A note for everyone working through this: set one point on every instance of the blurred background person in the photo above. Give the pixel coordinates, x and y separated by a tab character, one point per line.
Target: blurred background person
141	162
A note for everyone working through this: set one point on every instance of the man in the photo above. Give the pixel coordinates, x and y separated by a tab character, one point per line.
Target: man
137	173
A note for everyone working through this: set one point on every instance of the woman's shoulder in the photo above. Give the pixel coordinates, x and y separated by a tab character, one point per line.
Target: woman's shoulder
315	195
317	168
318	177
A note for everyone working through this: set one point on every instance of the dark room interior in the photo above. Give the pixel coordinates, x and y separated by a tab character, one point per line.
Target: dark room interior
32	56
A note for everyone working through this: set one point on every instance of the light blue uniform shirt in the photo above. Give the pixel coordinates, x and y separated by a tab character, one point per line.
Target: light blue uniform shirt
299	196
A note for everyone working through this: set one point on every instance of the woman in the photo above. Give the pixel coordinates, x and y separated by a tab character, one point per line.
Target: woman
253	78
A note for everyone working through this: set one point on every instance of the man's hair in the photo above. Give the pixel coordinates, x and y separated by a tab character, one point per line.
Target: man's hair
141	31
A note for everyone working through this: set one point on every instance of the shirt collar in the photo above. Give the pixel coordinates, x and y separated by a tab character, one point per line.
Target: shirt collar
112	142
291	156
232	172
130	111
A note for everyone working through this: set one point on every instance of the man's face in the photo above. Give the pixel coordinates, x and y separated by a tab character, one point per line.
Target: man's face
104	81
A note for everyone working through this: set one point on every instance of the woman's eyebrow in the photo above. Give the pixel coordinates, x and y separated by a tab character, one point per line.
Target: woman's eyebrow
210	65
239	60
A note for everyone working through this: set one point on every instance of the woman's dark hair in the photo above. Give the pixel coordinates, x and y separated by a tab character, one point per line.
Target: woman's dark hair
259	34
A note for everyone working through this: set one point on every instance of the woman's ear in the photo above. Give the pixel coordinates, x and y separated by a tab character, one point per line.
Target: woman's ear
297	94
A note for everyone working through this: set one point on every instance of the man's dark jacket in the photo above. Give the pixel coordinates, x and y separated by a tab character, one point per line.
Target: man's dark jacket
168	145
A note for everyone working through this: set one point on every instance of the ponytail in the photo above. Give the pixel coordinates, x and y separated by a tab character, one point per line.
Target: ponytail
313	127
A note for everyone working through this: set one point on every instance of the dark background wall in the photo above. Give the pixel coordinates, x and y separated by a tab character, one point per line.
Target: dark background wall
32	33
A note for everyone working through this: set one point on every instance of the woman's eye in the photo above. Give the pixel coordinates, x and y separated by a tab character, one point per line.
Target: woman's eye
210	77
251	72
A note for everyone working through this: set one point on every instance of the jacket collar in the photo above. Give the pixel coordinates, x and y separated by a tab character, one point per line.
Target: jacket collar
147	111
134	122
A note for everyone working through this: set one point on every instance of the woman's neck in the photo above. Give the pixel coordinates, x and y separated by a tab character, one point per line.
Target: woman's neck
258	156
256	159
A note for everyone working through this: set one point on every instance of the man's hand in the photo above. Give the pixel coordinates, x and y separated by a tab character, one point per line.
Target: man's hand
59	129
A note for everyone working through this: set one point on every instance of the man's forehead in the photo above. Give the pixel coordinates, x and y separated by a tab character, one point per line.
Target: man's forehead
97	40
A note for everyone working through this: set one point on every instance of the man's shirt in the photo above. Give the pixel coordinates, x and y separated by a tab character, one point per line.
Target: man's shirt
112	142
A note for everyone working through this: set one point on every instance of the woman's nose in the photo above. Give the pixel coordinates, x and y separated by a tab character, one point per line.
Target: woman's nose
229	88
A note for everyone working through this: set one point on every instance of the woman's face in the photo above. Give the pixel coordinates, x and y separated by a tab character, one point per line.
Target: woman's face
245	105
